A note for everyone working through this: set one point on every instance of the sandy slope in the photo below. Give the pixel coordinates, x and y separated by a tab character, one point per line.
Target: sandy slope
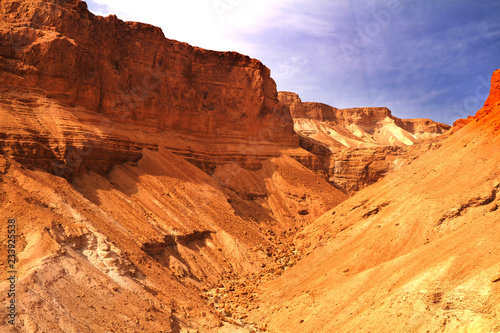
417	252
154	190
358	146
134	249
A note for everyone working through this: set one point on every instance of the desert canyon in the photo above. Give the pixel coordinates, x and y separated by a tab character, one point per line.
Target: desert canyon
161	187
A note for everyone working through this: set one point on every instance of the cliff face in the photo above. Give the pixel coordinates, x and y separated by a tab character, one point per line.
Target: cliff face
358	146
416	252
126	73
141	171
368	125
489	104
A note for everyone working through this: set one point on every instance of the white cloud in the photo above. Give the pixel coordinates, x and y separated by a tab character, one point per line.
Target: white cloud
212	24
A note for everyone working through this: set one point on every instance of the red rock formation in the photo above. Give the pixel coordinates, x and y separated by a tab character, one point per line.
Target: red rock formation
460	123
126	73
136	236
135	230
489	104
493	97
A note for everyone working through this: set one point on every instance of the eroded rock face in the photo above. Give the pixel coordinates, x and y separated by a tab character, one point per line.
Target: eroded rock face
358	146
185	197
364	123
124	73
489	104
167	172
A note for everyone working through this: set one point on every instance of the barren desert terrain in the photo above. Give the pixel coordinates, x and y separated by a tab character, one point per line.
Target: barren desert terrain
147	185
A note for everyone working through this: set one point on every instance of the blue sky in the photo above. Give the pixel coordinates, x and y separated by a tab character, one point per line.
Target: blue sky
420	58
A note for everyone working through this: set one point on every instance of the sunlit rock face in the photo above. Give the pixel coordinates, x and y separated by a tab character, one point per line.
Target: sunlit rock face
358	146
159	187
142	173
82	81
416	252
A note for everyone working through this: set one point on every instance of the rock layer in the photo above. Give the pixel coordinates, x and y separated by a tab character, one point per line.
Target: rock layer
59	55
174	196
358	146
169	170
361	126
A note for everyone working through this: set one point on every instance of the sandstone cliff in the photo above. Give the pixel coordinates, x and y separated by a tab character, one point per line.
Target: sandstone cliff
157	186
141	172
104	73
358	146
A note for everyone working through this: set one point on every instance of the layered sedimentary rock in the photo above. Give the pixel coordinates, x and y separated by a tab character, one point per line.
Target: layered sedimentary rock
135	248
416	252
141	172
156	187
368	125
358	146
105	73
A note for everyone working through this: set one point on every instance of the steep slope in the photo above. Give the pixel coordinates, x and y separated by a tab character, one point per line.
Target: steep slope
141	172
358	146
151	180
147	238
416	252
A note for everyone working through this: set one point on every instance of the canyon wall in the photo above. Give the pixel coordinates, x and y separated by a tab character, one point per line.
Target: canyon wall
143	173
112	75
156	185
356	147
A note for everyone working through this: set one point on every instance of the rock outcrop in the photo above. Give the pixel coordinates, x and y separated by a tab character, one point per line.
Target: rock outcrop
358	146
161	187
489	104
120	80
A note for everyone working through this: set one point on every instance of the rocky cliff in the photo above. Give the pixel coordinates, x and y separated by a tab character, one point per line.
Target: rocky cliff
109	75
156	187
358	146
141	172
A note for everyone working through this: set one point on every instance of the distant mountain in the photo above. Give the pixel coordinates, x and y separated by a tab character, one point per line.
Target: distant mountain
160	187
358	146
